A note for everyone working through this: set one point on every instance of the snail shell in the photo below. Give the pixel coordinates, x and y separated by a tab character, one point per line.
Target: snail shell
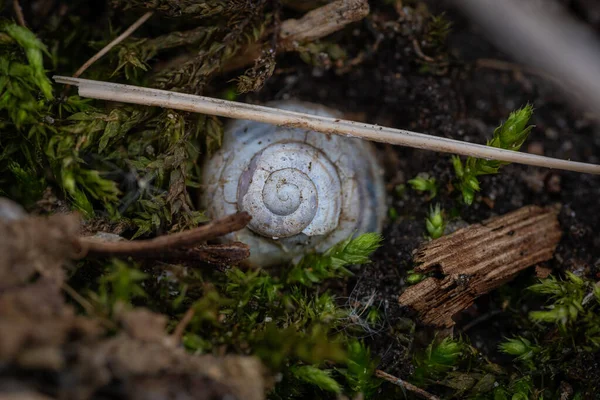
11	211
305	190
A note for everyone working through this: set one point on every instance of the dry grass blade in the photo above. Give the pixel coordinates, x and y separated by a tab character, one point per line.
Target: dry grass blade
206	105
112	44
405	385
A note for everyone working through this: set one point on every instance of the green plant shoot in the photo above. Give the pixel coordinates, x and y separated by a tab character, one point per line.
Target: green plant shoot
510	136
424	183
435	222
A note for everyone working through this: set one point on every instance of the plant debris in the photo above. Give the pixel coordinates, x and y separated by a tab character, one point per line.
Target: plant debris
475	260
295	34
177	246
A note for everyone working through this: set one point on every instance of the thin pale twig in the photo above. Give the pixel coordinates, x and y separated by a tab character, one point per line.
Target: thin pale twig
112	44
405	385
230	109
19	13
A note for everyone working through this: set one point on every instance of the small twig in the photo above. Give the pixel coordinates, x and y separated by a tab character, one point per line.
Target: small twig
361	57
231	109
181	325
313	25
87	306
83	302
503	65
480	319
420	53
19	13
166	244
112	44
405	385
219	255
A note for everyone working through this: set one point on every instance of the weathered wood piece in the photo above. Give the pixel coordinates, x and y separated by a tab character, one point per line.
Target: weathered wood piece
479	258
311	26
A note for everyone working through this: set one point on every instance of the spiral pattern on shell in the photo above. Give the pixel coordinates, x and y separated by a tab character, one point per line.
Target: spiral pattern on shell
304	190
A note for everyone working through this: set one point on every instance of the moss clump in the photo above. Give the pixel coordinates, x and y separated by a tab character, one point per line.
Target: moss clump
294	328
554	346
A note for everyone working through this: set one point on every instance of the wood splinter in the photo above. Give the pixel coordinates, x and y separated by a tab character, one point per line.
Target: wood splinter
479	258
312	26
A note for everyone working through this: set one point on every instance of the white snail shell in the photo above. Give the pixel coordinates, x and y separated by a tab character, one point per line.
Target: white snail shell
305	190
11	211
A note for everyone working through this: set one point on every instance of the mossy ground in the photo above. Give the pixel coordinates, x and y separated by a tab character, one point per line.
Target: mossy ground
148	164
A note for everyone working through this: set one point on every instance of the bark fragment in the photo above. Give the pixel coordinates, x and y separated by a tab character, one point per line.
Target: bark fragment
313	25
479	258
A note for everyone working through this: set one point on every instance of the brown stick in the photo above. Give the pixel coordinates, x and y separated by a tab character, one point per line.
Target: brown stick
313	25
478	259
112	44
405	385
182	324
420	53
166	244
19	13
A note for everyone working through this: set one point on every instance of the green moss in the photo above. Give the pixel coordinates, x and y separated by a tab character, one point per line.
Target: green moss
509	136
556	345
437	359
317	377
332	264
424	183
294	328
435	222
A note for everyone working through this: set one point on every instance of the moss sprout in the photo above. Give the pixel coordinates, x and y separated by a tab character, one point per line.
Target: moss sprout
510	135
